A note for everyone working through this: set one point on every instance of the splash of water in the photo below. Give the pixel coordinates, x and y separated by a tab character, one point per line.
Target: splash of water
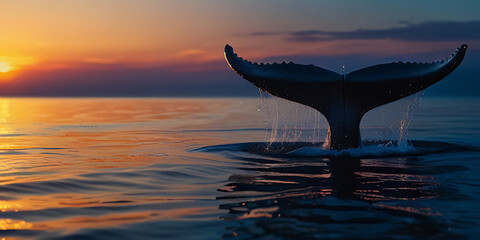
375	150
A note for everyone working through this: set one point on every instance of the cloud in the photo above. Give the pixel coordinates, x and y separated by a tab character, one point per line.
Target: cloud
266	33
125	80
193	52
426	31
96	60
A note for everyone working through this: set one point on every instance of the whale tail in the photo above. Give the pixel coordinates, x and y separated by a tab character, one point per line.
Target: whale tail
343	99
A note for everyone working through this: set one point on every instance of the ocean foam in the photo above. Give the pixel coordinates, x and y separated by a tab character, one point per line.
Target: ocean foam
374	150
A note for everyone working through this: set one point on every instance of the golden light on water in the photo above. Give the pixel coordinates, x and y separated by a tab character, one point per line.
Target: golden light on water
10	224
5	67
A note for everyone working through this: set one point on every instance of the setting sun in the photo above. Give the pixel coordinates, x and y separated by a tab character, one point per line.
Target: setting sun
5	67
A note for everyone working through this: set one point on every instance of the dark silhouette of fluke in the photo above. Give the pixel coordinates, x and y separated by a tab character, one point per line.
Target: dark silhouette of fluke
343	99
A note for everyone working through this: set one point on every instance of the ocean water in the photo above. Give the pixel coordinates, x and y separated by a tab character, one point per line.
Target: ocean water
234	168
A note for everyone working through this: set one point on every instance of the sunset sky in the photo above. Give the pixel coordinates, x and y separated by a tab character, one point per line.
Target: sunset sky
175	48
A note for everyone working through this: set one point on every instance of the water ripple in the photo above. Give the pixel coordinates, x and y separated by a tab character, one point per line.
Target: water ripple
285	193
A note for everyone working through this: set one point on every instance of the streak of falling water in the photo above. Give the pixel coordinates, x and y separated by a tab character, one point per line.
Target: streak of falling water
405	123
287	121
264	97
391	121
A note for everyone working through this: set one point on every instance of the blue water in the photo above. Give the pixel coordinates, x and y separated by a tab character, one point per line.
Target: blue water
208	169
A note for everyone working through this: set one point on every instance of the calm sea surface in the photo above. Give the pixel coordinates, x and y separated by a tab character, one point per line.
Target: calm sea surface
158	168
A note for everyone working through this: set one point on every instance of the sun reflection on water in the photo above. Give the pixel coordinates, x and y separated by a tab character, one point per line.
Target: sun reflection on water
73	164
10	224
4	114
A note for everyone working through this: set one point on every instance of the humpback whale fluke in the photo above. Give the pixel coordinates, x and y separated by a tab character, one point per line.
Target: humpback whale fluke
343	99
